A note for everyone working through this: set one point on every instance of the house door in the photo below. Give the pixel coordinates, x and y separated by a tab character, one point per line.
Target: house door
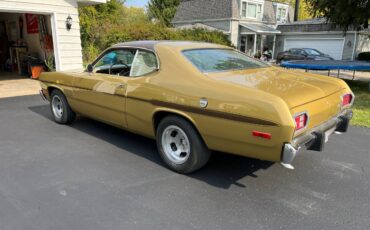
250	44
243	43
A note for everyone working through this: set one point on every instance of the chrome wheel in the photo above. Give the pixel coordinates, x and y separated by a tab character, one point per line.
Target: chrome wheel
57	106
175	144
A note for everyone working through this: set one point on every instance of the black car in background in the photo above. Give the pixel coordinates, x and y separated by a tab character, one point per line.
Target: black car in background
302	54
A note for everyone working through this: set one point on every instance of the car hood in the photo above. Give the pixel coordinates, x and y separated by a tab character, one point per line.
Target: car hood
295	88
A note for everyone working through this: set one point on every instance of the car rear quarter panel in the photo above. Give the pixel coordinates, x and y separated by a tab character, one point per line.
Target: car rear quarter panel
56	80
227	123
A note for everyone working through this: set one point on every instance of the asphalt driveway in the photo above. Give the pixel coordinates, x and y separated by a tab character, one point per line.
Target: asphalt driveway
92	176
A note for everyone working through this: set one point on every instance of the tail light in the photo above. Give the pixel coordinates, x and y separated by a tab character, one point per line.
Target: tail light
262	135
347	99
301	121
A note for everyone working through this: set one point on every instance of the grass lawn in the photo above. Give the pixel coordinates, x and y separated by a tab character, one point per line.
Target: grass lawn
361	107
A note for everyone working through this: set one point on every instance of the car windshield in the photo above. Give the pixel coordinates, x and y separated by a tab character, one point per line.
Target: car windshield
313	52
217	60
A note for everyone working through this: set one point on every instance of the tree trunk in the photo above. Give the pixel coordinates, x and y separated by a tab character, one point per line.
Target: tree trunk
296	10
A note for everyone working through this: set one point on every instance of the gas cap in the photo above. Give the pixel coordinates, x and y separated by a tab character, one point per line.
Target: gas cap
203	102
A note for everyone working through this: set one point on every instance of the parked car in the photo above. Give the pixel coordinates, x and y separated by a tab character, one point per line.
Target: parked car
196	97
302	54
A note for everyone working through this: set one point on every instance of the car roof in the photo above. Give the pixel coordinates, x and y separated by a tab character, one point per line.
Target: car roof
151	44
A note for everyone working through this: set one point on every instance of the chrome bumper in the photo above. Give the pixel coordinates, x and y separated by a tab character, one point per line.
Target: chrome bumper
315	138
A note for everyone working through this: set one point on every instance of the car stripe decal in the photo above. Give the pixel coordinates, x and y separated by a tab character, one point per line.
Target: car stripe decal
207	112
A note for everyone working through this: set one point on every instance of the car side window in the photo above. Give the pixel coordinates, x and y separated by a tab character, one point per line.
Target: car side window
116	62
292	51
302	53
296	51
144	63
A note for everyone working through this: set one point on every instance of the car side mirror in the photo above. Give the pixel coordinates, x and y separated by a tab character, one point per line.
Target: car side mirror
90	68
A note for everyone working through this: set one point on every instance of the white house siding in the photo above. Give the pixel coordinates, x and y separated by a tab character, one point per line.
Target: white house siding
234	33
349	41
67	44
221	25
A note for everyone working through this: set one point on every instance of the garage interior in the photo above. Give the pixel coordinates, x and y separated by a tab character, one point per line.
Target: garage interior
26	45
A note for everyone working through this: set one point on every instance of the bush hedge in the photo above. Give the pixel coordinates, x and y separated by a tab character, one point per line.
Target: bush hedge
107	24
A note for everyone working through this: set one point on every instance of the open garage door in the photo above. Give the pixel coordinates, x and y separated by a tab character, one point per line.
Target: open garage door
331	46
26	50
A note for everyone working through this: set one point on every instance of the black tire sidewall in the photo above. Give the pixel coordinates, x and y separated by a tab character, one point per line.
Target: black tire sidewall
65	106
199	153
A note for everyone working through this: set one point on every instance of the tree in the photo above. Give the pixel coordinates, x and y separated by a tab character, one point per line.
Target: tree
163	10
113	22
348	14
95	22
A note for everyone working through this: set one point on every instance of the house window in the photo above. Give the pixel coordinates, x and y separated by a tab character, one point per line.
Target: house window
281	14
244	8
251	10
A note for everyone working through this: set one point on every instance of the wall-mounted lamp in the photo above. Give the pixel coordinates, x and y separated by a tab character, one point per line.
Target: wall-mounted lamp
69	22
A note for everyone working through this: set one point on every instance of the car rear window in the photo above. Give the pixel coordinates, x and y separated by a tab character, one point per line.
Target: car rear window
219	60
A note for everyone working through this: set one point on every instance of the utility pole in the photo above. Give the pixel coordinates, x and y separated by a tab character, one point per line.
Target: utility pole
296	10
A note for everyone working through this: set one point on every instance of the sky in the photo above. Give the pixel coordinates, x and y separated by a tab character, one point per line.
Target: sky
137	3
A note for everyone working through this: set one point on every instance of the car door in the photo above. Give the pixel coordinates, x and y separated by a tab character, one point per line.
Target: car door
102	92
289	55
141	88
301	55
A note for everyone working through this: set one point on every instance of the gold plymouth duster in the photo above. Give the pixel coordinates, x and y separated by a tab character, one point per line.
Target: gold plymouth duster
197	97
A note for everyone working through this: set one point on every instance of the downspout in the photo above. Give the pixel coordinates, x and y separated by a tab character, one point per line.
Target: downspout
354	47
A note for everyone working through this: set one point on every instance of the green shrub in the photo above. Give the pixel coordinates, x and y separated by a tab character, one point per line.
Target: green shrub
365	56
111	23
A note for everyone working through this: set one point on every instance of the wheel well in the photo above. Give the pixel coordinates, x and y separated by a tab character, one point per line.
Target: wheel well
51	89
159	116
162	114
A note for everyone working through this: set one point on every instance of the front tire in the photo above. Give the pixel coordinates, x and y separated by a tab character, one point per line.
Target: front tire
60	108
180	145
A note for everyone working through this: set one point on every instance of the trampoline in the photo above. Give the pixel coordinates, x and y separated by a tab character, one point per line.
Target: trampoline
328	65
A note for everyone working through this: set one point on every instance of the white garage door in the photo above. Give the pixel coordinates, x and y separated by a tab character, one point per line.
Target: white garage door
332	46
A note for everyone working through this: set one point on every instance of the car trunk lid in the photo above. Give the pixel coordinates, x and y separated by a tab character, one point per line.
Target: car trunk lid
295	88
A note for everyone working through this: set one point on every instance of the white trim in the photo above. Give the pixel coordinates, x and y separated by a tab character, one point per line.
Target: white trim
247	33
281	6
54	32
22	11
254	2
274	47
264	32
317	32
354	47
343	39
315	38
255	44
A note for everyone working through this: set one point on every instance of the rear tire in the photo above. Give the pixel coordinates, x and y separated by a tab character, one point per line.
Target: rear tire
180	145
60	108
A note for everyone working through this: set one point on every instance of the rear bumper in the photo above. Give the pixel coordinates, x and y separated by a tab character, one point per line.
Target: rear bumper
315	138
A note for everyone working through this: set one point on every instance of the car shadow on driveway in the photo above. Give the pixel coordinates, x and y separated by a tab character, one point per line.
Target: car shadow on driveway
223	170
